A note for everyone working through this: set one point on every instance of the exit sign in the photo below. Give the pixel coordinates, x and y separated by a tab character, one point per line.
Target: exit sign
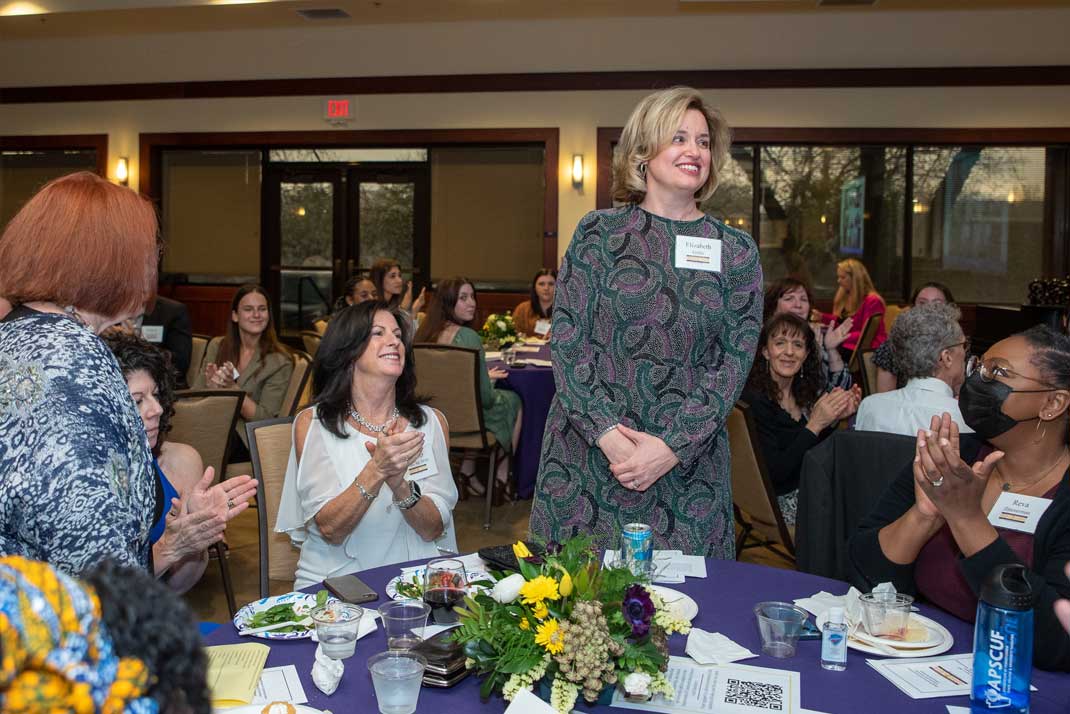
338	109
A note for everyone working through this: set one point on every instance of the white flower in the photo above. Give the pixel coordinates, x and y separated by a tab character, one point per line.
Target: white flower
637	684
507	589
501	324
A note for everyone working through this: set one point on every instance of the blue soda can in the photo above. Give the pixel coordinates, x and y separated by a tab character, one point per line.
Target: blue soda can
1003	643
637	548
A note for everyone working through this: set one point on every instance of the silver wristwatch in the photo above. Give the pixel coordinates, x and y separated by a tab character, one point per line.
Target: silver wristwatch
414	496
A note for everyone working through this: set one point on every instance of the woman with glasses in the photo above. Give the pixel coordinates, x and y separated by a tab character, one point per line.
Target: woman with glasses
931	351
931	533
249	357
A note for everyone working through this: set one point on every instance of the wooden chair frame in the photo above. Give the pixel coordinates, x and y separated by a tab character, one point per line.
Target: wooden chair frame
263	526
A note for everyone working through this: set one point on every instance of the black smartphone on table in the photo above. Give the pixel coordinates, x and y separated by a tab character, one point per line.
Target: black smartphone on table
350	588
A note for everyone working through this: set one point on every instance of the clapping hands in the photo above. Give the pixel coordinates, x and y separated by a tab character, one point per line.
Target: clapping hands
832	407
219	376
395	451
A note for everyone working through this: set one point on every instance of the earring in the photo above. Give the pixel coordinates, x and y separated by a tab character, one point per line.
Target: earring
1043	432
642	169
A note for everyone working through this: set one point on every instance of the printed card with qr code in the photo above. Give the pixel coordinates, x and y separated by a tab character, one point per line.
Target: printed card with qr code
724	689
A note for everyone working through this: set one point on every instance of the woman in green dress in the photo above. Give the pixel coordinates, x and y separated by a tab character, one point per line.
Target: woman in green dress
656	321
451	311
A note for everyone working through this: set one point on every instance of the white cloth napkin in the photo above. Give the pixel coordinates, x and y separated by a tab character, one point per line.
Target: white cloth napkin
714	648
819	602
327	672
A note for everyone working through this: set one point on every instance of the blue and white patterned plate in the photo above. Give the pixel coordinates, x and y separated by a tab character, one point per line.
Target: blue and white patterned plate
303	604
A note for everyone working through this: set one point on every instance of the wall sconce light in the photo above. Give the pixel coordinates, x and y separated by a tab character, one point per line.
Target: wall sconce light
122	171
577	170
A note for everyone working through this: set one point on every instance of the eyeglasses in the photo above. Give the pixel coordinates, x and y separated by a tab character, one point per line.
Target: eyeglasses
990	372
965	344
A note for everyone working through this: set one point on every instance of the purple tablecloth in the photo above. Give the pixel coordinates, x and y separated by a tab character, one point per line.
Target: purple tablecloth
725	600
535	385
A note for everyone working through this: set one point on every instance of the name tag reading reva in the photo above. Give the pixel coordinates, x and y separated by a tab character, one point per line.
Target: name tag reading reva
1018	512
695	253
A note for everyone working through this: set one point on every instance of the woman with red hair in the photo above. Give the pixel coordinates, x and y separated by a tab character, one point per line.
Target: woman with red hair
76	479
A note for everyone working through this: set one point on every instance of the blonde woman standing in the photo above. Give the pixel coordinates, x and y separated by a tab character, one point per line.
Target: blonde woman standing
656	322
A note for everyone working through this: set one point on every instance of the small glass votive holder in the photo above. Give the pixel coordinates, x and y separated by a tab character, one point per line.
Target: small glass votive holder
337	625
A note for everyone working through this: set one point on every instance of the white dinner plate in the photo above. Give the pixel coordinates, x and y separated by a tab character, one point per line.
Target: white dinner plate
682	604
943	640
303	604
392	586
258	708
934	638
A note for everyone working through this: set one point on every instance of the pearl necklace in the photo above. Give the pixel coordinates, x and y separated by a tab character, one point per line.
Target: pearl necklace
374	428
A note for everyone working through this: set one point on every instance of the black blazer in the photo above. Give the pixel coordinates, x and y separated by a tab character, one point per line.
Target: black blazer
177	333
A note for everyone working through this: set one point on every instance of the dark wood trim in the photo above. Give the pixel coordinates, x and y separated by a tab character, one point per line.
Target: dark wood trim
1043	75
151	146
97	142
1056	229
603	189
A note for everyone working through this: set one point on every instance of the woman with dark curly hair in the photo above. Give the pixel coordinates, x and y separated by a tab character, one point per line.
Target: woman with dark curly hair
116	641
195	512
785	391
368	482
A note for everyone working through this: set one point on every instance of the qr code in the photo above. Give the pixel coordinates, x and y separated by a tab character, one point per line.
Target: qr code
755	694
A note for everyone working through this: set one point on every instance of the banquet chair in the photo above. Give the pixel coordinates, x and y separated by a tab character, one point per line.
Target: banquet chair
269	445
297	393
450	375
312	340
865	340
754	501
205	419
196	359
891	312
841	480
868	373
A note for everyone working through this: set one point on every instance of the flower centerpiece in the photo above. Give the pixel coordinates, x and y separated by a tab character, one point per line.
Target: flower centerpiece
568	622
498	330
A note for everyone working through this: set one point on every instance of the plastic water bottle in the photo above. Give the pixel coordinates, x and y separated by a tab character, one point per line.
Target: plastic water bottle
1003	643
834	641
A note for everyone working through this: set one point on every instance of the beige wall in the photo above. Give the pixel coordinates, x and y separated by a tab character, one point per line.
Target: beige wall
833	39
502	240
211	218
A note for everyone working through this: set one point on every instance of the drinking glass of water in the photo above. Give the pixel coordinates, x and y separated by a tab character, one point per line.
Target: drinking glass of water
396	676
336	628
445	584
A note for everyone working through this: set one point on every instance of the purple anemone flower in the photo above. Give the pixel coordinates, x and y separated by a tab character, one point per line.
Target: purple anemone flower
638	610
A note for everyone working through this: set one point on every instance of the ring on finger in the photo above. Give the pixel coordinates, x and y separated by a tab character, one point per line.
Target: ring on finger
635	484
937	483
230	503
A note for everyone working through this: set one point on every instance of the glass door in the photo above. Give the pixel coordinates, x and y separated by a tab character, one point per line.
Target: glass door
390	208
326	222
304	219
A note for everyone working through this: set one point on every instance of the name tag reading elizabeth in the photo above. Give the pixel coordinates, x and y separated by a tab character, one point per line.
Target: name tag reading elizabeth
1018	512
695	253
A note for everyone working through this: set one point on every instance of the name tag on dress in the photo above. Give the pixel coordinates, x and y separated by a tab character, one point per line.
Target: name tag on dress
423	467
695	253
1018	512
542	326
152	333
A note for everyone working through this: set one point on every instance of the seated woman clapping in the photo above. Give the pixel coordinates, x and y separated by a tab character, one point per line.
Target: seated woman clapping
195	513
932	531
368	482
793	413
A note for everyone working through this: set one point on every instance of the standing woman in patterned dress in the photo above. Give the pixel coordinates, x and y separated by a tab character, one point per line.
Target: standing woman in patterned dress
656	321
76	478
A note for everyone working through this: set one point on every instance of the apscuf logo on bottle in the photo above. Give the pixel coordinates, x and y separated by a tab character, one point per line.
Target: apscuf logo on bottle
998	679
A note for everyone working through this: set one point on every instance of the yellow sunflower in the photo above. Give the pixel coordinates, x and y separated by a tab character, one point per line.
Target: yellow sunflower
550	637
538	589
540	610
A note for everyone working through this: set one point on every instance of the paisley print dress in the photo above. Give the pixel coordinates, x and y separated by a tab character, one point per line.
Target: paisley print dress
76	478
663	350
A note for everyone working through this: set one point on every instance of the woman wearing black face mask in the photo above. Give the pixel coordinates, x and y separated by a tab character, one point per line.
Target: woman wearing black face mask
931	534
